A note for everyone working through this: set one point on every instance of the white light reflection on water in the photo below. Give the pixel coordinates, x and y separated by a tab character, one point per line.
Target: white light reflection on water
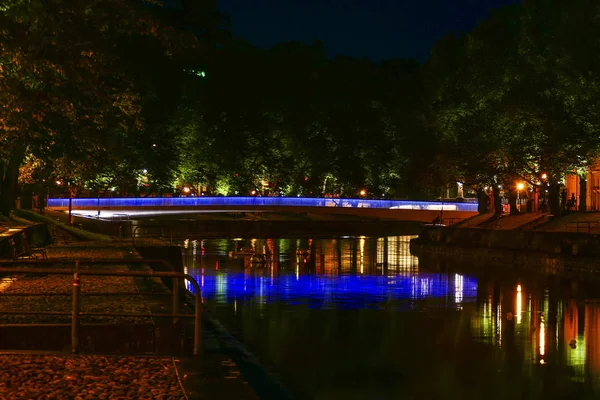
458	288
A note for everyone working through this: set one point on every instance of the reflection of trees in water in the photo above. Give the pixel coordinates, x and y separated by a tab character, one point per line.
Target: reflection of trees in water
373	256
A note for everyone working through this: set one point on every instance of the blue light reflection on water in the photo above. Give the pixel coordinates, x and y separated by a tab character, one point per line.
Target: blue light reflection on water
339	291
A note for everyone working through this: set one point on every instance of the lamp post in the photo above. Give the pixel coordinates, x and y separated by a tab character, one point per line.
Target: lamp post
543	177
520	187
98	194
70	205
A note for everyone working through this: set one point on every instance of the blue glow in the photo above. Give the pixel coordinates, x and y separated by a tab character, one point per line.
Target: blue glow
345	291
257	201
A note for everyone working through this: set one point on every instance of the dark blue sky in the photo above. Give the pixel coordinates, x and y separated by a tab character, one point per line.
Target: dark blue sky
378	29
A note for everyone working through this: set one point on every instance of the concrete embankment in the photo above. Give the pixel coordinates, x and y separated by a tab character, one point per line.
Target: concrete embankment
553	252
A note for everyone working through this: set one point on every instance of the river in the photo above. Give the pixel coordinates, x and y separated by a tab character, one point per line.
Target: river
361	318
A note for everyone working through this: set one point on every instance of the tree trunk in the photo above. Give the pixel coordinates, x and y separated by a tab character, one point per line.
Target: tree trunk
483	200
582	193
554	198
42	198
10	181
497	201
512	201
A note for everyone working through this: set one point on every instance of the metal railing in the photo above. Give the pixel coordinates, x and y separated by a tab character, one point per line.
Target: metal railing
583	226
159	235
452	221
164	233
128	225
120	217
77	273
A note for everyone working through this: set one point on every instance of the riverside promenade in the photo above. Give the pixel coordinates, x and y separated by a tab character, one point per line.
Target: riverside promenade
582	222
55	373
553	244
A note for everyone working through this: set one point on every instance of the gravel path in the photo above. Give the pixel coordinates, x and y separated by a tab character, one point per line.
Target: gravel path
91	250
41	283
87	377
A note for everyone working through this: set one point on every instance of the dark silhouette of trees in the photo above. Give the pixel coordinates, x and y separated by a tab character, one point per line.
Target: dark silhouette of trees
516	97
145	98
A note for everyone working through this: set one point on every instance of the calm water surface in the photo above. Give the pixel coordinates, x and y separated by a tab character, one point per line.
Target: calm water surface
360	318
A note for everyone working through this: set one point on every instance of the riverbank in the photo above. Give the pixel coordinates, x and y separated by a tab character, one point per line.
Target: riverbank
567	243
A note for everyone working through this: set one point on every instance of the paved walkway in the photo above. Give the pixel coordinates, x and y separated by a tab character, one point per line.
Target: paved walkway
586	222
583	222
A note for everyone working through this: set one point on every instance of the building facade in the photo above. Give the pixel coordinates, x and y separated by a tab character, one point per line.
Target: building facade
592	192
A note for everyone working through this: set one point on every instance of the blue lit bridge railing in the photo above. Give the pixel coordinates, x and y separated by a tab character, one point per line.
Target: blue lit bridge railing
191	202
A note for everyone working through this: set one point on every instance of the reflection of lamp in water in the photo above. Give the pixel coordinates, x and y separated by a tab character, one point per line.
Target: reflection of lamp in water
542	339
499	322
362	253
519	304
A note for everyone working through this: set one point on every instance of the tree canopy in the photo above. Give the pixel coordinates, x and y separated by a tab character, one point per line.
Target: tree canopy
149	97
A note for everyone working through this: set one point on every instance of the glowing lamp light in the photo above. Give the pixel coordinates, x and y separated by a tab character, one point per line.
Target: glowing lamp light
544	176
363	192
186	189
253	192
58	183
145	171
520	186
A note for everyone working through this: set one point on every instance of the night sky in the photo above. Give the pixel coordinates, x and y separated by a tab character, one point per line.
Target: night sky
378	29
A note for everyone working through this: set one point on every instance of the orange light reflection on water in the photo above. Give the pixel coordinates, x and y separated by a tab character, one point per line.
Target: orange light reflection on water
519	304
542	339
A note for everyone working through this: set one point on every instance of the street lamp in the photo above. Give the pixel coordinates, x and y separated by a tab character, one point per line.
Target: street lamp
520	187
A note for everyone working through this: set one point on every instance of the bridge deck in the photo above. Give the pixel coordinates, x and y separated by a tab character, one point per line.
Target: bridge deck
245	202
424	211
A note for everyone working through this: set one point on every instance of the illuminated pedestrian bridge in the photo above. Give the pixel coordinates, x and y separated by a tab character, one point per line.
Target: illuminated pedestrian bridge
403	209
